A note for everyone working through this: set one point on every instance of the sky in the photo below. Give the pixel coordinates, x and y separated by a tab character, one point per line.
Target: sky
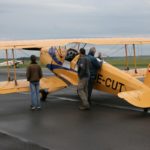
46	19
40	19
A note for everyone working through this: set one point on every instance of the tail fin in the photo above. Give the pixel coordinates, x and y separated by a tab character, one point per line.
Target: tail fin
147	77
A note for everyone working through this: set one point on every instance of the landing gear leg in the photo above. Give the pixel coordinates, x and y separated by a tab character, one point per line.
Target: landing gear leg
145	110
43	95
78	93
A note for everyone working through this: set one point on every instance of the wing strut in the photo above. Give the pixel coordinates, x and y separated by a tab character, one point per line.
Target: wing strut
134	58
84	45
15	76
8	68
78	46
126	58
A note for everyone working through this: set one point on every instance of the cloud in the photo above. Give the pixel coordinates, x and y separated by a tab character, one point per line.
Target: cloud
51	18
63	6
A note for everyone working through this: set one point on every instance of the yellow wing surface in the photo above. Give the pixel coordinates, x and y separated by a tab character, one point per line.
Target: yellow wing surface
141	72
51	84
10	86
67	75
62	42
138	98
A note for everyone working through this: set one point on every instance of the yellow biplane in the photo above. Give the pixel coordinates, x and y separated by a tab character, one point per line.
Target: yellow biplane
53	54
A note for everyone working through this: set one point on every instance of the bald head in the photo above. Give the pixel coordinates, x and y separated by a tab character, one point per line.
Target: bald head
92	51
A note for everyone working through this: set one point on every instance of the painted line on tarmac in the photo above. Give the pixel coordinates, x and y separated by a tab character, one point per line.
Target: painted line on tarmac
57	97
17	137
105	105
66	99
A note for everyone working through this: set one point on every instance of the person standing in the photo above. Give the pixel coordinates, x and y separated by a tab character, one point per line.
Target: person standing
34	74
83	75
99	57
94	67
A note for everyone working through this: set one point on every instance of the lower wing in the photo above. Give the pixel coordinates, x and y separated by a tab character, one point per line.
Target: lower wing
138	73
51	84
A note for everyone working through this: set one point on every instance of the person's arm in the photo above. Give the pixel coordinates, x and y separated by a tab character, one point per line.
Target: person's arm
28	73
81	68
40	73
96	63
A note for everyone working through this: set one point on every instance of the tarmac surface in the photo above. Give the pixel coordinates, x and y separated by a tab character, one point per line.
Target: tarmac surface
111	124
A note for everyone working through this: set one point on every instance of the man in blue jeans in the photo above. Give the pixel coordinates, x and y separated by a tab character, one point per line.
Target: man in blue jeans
34	74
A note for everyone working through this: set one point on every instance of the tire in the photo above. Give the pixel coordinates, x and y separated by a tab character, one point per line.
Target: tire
145	110
43	95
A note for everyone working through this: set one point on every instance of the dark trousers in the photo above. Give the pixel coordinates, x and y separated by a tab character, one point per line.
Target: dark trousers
90	88
83	91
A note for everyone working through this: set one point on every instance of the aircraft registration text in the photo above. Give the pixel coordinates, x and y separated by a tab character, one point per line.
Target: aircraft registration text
110	83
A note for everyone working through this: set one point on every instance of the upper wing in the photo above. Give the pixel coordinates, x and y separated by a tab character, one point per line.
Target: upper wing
62	42
51	84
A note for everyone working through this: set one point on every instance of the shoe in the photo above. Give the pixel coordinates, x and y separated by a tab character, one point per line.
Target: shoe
84	107
90	103
33	108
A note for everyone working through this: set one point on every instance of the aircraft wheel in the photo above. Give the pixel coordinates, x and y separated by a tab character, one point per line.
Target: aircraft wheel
78	93
145	110
43	95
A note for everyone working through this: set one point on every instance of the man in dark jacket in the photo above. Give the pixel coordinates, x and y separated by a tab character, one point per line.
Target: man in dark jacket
34	74
83	74
94	67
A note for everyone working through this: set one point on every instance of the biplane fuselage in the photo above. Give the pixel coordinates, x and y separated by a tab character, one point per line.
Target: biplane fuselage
109	78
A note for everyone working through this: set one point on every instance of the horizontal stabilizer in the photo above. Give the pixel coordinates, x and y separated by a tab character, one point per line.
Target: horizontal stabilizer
138	98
